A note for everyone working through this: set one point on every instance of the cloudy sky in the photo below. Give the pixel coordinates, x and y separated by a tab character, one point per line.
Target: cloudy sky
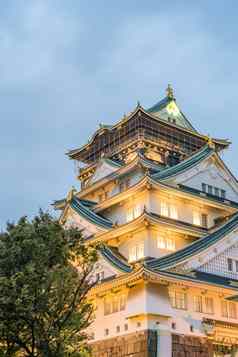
66	66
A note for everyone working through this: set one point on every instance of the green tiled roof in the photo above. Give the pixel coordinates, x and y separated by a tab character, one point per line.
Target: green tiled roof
83	210
115	258
196	247
184	165
198	276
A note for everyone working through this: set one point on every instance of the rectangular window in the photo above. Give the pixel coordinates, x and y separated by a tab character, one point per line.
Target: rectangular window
132	254
210	189
209	308
133	213
204	220
161	242
173	212
170	243
232	310
114	304
217	191
224	308
164	209
229	264
140	251
129	215
137	211
178	300
136	252
223	194
204	187
198	303
237	266
196	218
107	307
228	309
122	302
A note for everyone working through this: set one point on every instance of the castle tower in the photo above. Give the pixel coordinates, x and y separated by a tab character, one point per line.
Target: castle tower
162	207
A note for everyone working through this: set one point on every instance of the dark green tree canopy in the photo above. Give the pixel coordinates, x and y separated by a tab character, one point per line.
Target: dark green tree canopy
45	275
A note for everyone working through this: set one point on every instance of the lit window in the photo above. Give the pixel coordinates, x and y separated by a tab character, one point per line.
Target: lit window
161	243
133	212
164	209
114	304
224	308
232	310
196	218
166	243
198	303
173	212
122	300
129	215
170	243
178	299
209	308
136	252
137	211
228	309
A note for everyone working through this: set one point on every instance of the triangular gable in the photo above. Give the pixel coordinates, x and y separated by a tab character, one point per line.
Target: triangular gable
210	172
72	219
108	270
104	168
223	264
168	110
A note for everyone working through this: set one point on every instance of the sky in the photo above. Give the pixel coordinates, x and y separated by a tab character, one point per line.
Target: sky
67	66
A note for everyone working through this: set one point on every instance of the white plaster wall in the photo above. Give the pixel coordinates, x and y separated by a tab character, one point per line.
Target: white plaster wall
118	213
219	266
214	176
185	207
149	306
136	239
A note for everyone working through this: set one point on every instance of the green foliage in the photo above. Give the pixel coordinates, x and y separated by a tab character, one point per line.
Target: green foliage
44	280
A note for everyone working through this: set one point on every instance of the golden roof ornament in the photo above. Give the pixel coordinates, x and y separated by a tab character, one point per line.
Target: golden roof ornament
71	194
210	142
170	92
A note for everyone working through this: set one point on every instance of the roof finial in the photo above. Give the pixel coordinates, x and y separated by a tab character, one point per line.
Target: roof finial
138	103
169	92
71	194
210	142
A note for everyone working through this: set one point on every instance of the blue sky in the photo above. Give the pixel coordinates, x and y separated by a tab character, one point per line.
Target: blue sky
66	66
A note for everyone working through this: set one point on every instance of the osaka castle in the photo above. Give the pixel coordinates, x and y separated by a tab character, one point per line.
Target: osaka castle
161	206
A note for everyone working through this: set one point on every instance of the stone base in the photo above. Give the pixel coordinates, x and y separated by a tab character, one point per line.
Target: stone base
139	344
188	346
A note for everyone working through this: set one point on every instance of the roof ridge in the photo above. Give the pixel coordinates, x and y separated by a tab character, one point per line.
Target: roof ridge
88	214
114	259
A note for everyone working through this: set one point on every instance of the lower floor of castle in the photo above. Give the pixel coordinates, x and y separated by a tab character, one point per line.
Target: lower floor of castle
150	343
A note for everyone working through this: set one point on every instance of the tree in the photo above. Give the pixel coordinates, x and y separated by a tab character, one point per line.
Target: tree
44	281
